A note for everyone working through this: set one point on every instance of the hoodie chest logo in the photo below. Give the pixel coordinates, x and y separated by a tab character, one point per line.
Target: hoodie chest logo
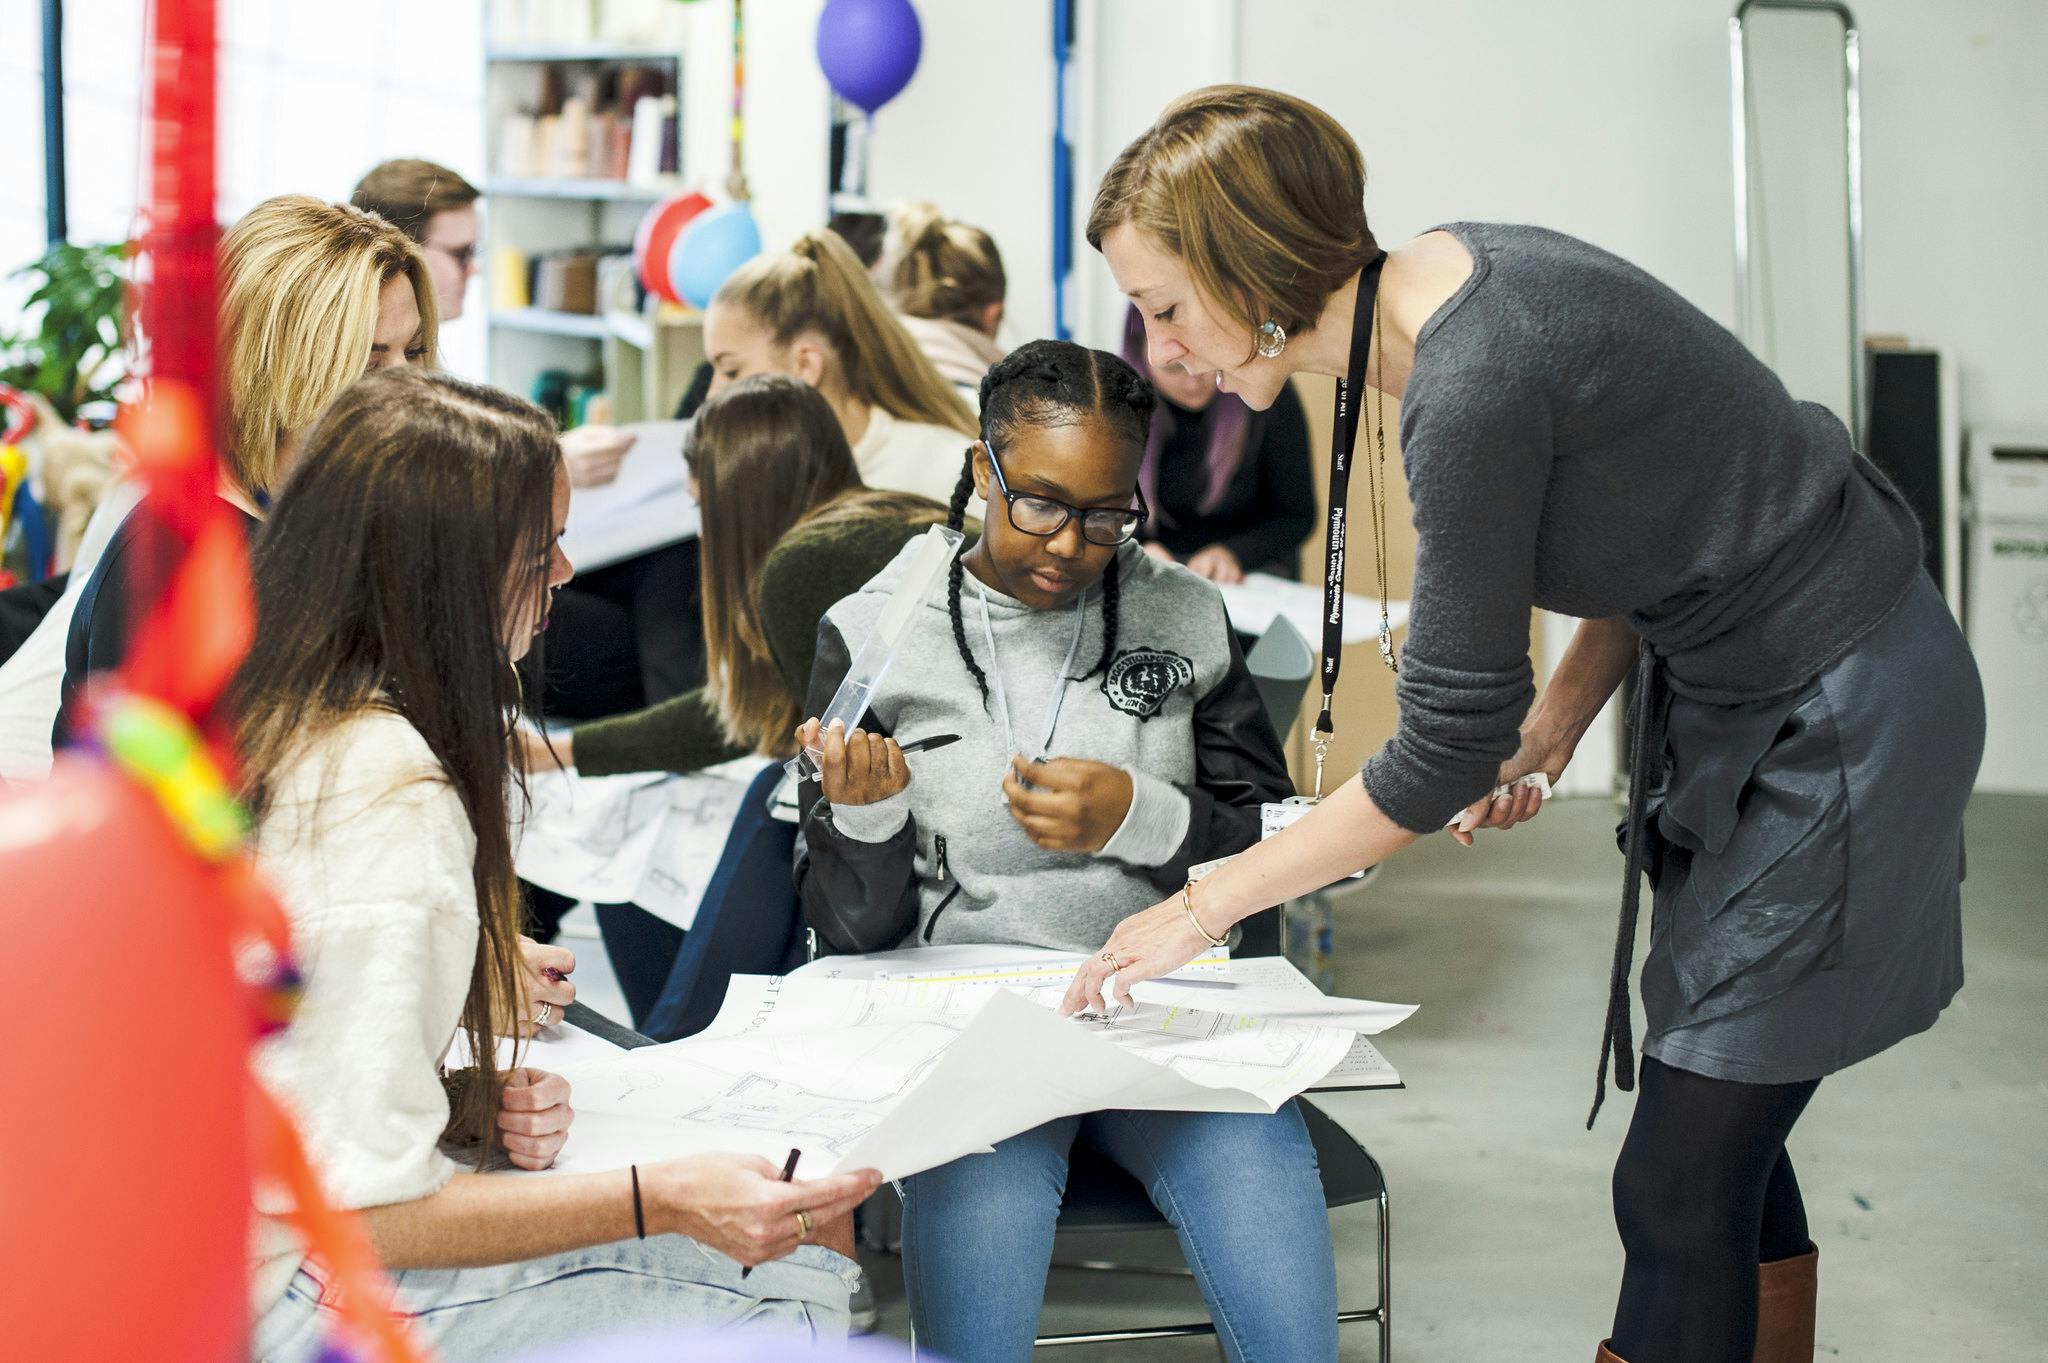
1141	679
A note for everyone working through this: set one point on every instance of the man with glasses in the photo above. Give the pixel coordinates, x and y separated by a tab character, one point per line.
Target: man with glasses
436	208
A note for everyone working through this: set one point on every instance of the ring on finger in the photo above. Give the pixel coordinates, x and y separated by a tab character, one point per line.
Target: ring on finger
544	1014
803	1223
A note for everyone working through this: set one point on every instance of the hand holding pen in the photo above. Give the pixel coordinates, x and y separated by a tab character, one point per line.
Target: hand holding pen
549	992
860	768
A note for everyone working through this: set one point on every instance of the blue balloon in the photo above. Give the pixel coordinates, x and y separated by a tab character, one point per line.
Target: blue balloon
717	242
869	49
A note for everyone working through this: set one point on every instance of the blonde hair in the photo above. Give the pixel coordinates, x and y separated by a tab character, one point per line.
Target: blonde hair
1261	195
408	192
818	285
939	268
298	314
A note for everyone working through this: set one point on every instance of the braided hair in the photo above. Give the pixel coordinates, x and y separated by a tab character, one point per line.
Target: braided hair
1050	383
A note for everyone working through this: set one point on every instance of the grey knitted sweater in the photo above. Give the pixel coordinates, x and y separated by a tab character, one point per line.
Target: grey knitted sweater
1580	438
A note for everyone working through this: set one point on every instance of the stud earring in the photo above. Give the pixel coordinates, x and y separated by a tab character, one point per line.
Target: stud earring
1271	340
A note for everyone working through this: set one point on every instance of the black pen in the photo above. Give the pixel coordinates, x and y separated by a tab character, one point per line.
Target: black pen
915	745
788	1171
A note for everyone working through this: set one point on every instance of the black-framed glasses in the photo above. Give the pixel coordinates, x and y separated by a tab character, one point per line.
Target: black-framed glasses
1045	517
463	256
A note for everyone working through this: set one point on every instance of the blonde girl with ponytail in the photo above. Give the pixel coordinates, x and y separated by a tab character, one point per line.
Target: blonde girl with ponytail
812	311
947	283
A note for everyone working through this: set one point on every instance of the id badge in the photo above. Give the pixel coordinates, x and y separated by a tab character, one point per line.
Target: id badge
1276	816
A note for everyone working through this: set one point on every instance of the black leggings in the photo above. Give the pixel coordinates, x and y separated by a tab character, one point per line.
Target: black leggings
1703	1193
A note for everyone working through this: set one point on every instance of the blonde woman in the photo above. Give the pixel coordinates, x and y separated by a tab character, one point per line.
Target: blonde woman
1808	718
313	296
813	312
946	280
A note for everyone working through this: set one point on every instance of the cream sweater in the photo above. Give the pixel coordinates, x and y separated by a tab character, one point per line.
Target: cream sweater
910	456
372	854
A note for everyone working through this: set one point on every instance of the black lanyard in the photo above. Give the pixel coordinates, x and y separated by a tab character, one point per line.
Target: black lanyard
1344	432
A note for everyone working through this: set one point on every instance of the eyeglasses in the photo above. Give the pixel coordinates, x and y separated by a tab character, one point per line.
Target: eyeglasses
1045	517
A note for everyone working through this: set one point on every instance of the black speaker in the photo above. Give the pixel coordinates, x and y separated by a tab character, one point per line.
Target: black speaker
1905	440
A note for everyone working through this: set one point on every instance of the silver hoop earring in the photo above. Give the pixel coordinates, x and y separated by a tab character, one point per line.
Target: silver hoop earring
1271	340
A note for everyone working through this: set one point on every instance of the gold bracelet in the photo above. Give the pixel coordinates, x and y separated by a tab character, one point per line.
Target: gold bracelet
1187	901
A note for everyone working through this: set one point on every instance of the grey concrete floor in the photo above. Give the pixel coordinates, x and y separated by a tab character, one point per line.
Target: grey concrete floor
1921	1168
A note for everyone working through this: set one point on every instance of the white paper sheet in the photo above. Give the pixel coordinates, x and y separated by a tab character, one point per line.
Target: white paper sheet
648	505
556	1049
653	841
1363	1067
1268	986
905	1075
1255	601
780	1066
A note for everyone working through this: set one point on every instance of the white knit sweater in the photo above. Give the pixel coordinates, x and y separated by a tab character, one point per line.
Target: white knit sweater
372	854
910	456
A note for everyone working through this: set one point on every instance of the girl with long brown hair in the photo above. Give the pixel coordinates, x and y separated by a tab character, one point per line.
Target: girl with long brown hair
813	312
789	528
405	568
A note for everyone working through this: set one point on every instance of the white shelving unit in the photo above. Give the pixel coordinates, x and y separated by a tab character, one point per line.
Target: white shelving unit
634	354
591	190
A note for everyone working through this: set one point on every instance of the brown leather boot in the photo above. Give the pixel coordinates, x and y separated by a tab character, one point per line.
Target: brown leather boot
1607	1355
1784	1308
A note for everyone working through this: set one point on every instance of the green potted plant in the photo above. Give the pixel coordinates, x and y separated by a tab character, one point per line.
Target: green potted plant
67	344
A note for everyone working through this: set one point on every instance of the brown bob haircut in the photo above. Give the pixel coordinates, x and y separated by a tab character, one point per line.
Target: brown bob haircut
1261	195
408	192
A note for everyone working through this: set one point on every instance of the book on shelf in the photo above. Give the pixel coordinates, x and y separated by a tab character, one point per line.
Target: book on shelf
659	24
510	288
609	123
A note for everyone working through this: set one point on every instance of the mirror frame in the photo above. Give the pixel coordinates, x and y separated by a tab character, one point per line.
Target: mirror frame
1852	115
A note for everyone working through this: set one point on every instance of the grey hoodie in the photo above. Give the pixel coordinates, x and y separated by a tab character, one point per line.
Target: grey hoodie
943	861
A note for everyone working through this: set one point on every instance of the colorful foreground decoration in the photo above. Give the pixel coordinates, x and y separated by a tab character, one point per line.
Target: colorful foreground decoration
129	898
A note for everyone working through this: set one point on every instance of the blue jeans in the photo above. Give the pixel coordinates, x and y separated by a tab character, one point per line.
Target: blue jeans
1241	1191
469	1315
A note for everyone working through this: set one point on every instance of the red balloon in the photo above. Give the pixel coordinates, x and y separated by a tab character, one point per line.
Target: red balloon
125	1191
655	236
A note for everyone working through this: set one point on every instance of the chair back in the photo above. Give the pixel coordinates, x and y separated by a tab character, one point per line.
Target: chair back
1281	663
748	922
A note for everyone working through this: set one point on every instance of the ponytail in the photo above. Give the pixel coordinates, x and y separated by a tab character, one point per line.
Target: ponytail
941	269
818	285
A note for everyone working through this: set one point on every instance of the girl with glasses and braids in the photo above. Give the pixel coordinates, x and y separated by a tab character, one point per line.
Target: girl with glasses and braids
1111	738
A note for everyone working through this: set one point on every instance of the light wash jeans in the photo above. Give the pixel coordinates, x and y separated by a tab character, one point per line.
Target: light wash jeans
469	1315
1240	1190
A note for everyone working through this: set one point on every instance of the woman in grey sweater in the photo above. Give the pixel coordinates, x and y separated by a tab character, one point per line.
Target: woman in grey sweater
1807	721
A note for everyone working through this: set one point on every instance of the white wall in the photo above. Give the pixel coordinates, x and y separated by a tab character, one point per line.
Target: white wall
312	95
1605	118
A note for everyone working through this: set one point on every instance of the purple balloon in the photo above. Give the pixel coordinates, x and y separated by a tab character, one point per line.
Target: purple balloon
725	1346
869	49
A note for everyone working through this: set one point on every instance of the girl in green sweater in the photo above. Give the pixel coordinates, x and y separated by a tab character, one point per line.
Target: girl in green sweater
788	529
